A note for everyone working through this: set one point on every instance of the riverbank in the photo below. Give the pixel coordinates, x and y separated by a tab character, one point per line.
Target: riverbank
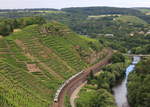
139	84
120	91
98	90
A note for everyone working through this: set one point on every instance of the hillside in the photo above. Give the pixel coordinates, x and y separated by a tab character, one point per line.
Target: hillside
144	10
101	10
131	19
37	59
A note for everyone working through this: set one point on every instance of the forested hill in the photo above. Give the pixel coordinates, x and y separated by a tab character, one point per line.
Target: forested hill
102	10
37	59
124	25
107	10
68	12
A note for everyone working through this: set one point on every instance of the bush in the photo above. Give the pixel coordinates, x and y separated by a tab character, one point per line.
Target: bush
93	98
8	25
5	29
139	85
117	57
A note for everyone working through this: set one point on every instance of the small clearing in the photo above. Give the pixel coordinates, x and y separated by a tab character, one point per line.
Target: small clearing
33	68
16	30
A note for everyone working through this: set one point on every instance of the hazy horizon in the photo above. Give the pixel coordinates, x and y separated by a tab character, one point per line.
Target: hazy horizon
22	4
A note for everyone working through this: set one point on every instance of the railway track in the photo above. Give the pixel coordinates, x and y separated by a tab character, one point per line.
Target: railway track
72	83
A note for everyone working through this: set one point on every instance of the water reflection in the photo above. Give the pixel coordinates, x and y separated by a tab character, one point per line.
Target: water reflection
120	91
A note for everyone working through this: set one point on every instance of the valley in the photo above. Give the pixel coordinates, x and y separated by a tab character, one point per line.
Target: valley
46	55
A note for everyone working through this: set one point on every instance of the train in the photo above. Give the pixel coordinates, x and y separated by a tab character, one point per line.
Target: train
63	85
103	62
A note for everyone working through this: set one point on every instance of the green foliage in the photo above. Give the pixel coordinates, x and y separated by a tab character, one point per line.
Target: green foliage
4	102
8	25
139	85
97	93
104	99
95	98
144	10
52	56
111	75
121	22
5	28
131	19
106	80
67	101
117	57
141	50
22	22
143	67
90	77
93	46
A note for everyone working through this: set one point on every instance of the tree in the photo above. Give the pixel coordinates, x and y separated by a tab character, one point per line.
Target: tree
117	57
139	85
5	29
90	77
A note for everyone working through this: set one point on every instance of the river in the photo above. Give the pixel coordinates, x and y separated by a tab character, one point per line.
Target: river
120	91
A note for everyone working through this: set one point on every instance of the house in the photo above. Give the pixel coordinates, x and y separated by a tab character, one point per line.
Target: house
148	32
141	32
109	35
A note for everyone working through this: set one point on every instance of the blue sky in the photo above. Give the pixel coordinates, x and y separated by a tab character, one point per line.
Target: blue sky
71	3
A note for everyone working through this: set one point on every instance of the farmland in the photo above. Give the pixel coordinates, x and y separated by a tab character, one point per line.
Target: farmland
42	48
34	63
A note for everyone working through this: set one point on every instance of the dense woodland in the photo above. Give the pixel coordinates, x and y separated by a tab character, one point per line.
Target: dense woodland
139	85
7	26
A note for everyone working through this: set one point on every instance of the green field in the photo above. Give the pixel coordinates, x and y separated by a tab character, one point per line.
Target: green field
146	10
131	19
102	16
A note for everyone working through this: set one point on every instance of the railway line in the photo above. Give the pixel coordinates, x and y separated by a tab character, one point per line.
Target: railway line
73	82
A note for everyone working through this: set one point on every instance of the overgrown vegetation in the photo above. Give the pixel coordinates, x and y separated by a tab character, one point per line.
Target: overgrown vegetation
139	85
67	101
7	26
98	91
95	98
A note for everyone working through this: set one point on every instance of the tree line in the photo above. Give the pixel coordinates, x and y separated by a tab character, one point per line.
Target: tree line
139	85
7	26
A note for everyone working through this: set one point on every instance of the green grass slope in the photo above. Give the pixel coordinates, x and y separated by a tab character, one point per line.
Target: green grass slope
36	60
131	19
144	10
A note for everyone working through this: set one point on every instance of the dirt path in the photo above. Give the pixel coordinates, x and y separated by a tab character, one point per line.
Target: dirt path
1	36
74	95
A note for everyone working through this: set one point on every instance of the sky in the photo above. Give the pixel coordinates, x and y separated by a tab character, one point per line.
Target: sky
15	4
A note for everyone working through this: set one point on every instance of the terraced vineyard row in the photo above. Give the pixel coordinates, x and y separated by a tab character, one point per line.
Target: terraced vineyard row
23	77
19	87
33	66
65	53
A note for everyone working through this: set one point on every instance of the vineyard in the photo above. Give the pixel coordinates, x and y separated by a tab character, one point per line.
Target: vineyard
36	60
